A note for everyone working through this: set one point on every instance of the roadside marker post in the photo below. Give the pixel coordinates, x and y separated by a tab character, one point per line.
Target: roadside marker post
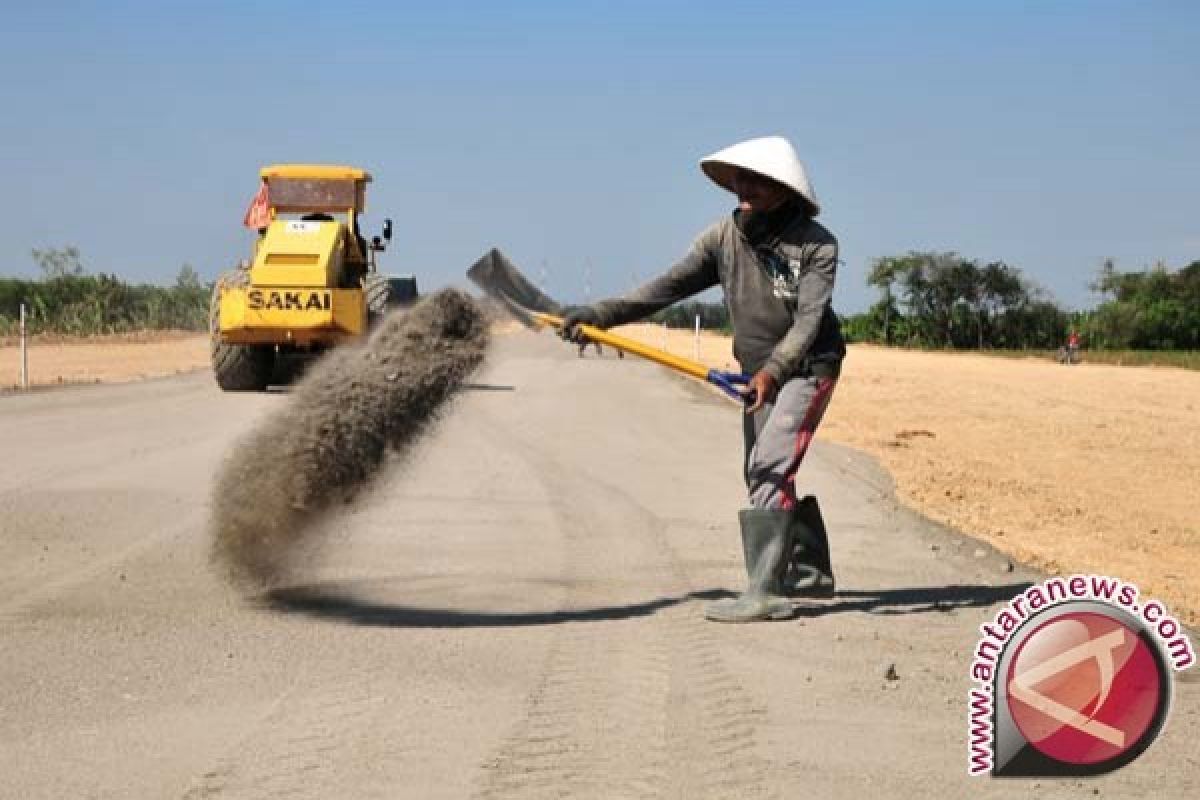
24	352
696	343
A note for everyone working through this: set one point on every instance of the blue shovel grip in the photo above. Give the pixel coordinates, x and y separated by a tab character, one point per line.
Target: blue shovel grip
728	382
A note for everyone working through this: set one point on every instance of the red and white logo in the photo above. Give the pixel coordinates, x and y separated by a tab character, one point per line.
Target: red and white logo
1084	688
1071	680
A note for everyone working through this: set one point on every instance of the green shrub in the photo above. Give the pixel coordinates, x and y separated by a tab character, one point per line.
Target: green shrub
69	301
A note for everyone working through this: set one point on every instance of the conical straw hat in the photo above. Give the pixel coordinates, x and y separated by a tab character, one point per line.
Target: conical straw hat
772	156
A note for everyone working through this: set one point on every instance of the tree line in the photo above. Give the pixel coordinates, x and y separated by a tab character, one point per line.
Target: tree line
1156	309
713	316
943	300
70	301
926	299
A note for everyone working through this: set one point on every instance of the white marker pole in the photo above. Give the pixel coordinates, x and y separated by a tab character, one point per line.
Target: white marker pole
696	344
24	352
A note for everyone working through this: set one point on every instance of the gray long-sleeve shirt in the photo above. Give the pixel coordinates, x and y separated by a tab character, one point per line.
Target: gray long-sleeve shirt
778	295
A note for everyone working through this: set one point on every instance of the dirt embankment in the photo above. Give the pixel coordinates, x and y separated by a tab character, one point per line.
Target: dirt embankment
104	359
1088	468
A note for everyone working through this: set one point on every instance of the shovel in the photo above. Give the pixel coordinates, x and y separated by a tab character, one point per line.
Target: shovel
497	276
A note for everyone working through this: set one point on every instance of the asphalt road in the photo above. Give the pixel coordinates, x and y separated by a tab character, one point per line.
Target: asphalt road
513	612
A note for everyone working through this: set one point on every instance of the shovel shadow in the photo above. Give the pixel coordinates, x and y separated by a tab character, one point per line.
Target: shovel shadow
339	604
470	386
915	600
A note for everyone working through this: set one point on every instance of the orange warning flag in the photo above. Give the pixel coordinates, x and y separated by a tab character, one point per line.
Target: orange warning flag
258	215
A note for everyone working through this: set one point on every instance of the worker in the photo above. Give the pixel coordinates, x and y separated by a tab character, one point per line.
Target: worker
599	350
1073	347
776	265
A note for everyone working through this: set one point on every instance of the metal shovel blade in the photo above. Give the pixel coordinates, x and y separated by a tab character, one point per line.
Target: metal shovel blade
500	278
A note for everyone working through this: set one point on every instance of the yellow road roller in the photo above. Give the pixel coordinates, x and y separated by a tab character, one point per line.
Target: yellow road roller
312	282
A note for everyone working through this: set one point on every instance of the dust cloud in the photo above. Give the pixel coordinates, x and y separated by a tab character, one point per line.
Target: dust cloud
284	481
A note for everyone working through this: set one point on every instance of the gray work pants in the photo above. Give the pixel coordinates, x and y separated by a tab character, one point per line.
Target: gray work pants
777	437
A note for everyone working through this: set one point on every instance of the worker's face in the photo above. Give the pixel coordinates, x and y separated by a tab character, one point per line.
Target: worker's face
756	193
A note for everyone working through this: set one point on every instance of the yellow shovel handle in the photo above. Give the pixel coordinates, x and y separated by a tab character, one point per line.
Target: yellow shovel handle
684	365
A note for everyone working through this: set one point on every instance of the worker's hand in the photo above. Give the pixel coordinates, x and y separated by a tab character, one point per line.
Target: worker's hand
576	316
760	391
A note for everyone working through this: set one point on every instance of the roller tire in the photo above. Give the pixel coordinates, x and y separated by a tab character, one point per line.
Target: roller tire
378	295
237	368
243	368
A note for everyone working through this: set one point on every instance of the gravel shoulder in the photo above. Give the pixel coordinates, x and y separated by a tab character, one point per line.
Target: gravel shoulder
112	359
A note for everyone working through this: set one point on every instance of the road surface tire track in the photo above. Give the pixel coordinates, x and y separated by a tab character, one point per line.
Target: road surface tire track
643	707
309	744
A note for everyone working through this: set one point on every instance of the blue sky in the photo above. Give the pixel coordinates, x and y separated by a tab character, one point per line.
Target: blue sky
1045	134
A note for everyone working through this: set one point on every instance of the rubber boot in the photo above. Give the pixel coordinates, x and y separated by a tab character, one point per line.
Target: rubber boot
810	571
766	544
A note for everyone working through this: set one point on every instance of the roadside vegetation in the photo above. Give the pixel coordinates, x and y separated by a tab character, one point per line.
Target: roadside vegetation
927	300
69	301
713	316
942	301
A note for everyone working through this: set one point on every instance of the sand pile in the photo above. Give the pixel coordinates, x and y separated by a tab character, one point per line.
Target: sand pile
331	438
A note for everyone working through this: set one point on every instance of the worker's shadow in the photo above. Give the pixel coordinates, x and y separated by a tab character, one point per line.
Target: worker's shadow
341	604
912	600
